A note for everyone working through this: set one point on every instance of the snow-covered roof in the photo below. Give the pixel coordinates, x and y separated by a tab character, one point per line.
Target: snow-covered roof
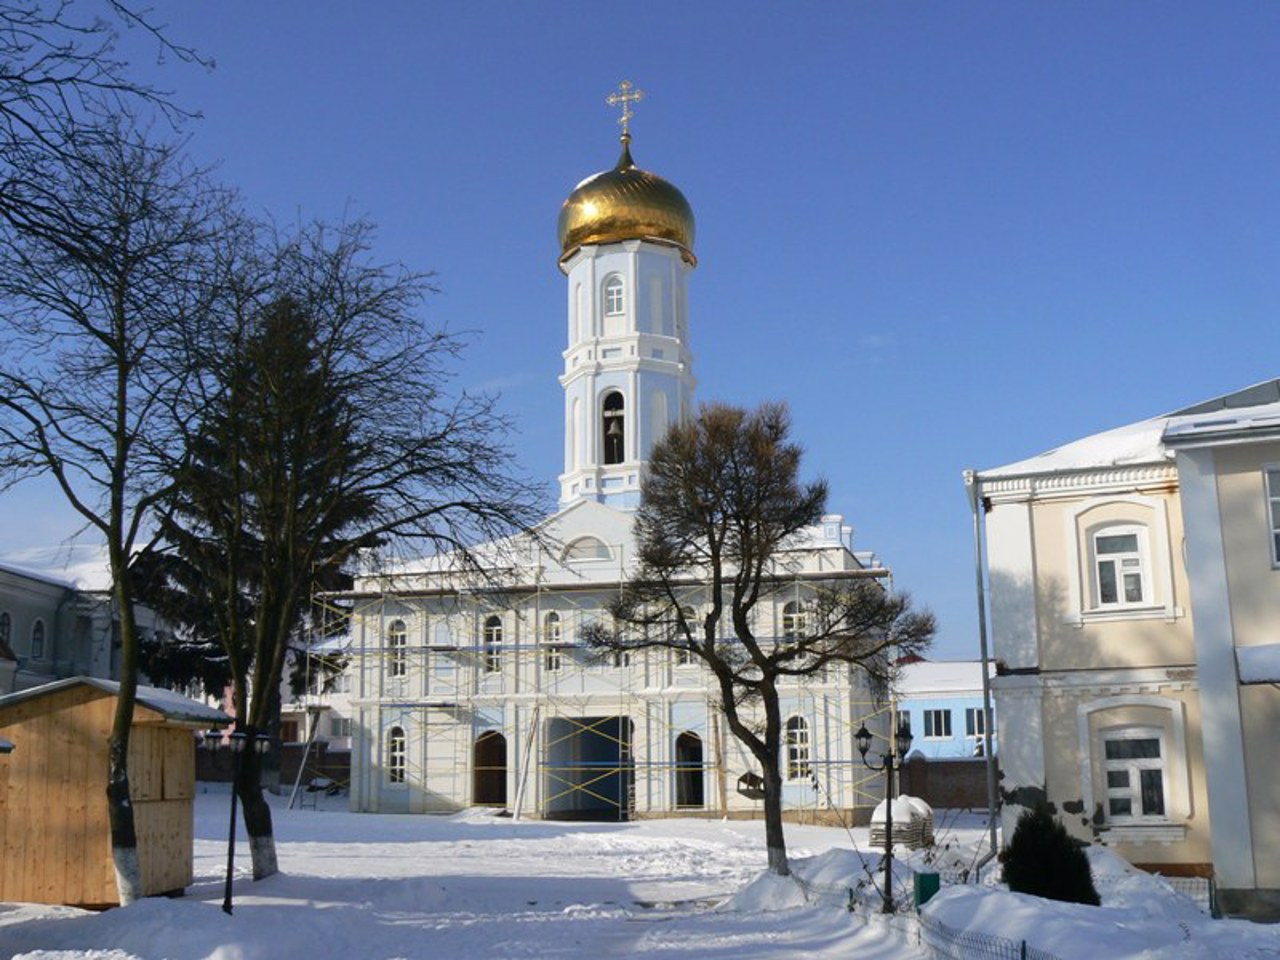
939	676
1124	446
1148	442
79	566
171	705
1259	664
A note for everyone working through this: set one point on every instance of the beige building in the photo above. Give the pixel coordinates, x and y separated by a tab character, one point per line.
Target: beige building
1134	593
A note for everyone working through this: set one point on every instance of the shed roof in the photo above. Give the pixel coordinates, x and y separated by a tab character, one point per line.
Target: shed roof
167	703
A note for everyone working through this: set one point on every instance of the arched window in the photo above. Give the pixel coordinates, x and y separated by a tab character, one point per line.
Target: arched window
614	302
1120	566
395	755
689	770
798	766
493	644
37	640
588	548
397	644
552	636
613	429
6	629
792	620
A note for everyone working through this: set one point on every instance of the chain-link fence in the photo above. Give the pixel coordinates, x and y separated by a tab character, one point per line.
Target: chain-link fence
943	942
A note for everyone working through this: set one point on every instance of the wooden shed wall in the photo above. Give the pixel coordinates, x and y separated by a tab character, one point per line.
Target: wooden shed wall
54	828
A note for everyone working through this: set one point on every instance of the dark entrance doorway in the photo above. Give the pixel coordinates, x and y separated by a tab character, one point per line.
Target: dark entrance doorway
489	770
689	770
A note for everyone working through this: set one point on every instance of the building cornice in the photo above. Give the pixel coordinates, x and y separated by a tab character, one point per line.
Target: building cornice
1070	484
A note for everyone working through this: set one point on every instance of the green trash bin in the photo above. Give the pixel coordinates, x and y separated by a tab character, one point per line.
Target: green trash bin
926	885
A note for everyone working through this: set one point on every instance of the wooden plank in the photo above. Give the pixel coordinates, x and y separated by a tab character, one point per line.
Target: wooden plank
99	877
166	855
55	882
179	765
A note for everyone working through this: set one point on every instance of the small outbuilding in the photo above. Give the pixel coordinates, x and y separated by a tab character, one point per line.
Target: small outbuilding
55	837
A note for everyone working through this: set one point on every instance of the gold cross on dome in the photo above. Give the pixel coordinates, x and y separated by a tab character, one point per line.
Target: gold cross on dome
627	96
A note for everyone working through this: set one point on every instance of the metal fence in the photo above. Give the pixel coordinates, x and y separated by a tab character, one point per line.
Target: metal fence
943	942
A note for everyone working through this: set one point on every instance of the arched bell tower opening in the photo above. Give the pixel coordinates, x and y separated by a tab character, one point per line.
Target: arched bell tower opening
613	429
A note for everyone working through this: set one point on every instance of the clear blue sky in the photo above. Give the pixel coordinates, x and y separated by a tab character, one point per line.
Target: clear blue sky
948	234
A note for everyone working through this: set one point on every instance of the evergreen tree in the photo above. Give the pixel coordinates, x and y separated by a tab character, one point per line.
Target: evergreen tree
1044	860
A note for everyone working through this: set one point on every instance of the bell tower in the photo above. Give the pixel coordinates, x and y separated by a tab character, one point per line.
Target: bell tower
626	241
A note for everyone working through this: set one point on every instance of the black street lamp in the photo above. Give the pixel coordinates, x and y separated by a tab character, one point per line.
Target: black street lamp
888	763
237	744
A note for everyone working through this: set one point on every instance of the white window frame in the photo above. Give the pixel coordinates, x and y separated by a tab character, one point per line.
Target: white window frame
397	648
1149	513
931	722
793	620
1134	767
397	755
975	723
493	644
1271	480
552	637
1124	563
799	748
614	295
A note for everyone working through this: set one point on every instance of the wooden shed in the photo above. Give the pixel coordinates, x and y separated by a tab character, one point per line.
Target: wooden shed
55	839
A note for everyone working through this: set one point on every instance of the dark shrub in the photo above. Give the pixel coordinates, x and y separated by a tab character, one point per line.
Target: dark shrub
1042	859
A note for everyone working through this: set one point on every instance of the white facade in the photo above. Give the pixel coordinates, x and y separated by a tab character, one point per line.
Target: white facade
471	690
627	369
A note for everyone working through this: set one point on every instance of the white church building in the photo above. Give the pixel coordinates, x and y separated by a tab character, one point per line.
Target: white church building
469	692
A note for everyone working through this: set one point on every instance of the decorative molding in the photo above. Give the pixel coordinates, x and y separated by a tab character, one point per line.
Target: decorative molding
1045	486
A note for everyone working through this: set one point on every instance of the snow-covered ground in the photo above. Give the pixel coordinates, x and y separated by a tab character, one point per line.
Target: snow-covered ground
474	885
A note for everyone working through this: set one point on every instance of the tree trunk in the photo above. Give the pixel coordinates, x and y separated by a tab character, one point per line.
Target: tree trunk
257	816
774	840
124	838
124	835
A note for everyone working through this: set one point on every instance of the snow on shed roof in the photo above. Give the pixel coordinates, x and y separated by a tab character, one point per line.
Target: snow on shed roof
172	705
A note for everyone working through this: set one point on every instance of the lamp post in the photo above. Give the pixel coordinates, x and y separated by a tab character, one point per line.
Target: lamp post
888	763
237	744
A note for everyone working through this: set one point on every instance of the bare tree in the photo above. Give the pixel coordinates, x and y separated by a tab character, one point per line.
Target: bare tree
104	253
721	502
327	428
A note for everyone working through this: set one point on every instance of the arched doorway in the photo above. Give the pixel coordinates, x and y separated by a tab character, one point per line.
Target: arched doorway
689	770
489	770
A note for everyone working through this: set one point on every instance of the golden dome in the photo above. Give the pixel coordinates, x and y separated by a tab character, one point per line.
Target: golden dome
625	203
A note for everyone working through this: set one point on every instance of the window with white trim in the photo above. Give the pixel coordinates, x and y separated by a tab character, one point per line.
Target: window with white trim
1272	475
396	754
552	636
397	645
37	640
339	726
614	302
1120	567
975	722
798	757
792	620
493	644
937	724
1133	765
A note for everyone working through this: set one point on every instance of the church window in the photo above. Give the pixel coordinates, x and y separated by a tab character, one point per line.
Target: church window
6	629
587	548
613	428
798	759
493	644
1134	768
396	755
614	303
792	620
1120	566
37	640
1273	512
552	635
397	645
